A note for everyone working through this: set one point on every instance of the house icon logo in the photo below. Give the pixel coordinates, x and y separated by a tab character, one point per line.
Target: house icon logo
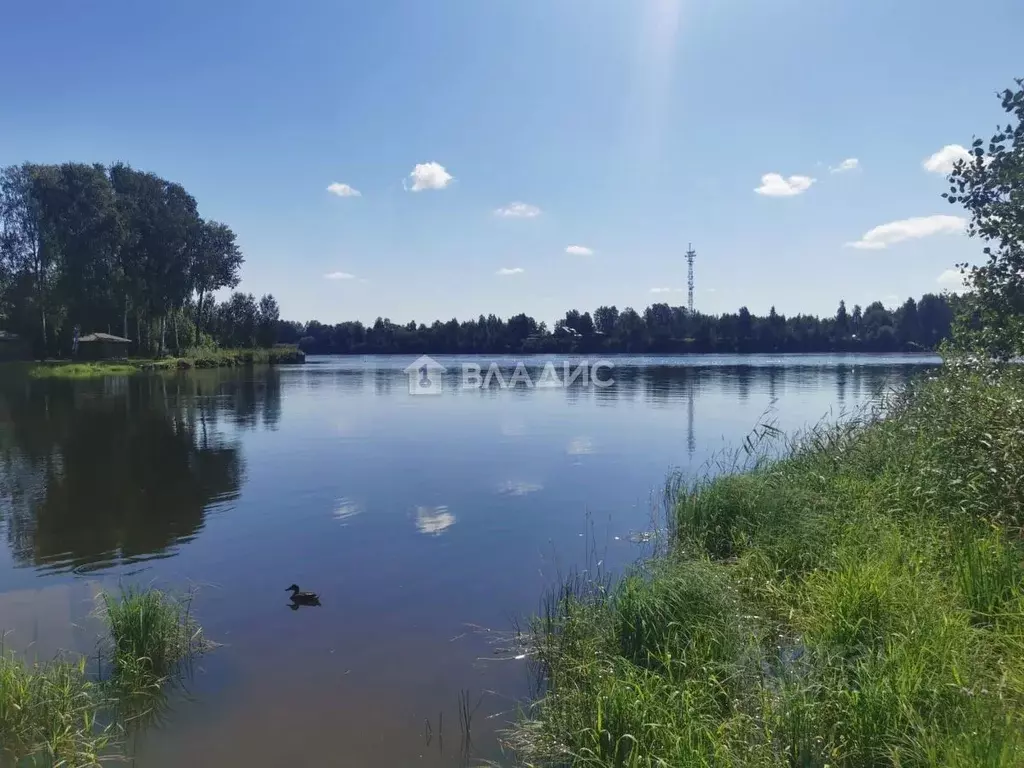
425	375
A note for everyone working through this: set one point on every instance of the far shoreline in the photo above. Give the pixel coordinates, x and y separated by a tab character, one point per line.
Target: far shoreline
200	359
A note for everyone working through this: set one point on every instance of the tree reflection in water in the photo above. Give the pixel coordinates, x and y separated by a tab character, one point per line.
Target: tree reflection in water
94	473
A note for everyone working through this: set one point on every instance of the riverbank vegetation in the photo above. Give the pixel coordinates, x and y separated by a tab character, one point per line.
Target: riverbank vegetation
62	713
196	358
857	603
854	599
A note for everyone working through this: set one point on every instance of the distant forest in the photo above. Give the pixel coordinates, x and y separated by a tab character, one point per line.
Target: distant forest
114	249
915	326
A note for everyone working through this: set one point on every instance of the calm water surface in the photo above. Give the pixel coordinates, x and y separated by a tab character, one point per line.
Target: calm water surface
422	521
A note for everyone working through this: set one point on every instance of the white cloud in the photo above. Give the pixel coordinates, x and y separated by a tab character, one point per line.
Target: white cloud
428	176
340	276
885	235
849	164
518	211
943	160
343	190
666	290
775	185
433	520
952	279
579	250
510	271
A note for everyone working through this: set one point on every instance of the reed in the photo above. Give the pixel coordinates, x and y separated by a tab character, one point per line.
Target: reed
152	633
849	596
50	714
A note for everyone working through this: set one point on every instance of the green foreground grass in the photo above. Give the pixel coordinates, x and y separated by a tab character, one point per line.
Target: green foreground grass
56	713
198	358
856	603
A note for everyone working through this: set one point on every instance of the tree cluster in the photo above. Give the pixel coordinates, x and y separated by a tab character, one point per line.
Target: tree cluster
990	185
117	250
914	326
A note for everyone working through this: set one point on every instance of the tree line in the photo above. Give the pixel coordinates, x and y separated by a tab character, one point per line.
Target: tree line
114	249
915	326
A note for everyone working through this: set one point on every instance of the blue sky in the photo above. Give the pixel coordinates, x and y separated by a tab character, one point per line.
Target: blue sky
633	127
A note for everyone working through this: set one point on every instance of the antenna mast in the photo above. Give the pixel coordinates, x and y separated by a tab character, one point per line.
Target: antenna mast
690	256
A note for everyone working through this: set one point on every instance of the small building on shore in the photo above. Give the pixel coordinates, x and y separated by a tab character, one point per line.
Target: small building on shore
13	347
103	346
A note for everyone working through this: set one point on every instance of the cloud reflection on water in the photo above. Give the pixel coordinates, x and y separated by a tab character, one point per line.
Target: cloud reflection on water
433	521
518	488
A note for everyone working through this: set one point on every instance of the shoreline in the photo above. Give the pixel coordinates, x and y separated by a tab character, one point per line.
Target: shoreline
227	358
859	601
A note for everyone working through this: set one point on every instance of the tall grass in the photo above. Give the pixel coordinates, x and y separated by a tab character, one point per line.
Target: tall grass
851	597
49	712
151	633
55	713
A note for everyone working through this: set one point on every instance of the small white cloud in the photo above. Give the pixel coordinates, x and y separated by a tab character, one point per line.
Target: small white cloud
666	290
518	211
952	280
909	229
849	164
943	160
775	185
579	250
433	520
510	271
340	276
428	176
710	290
343	190
867	245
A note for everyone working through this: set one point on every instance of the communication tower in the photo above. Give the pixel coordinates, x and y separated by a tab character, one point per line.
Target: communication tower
690	256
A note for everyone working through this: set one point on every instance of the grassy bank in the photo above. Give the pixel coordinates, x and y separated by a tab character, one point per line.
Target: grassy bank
856	603
199	358
60	714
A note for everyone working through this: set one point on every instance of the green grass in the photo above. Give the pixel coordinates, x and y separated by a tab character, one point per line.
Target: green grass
856	602
78	370
225	358
48	712
193	358
58	714
151	633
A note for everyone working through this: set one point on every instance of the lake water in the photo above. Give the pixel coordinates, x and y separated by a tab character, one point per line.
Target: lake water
428	524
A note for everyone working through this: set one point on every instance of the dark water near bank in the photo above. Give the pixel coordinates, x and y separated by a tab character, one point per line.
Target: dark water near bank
423	522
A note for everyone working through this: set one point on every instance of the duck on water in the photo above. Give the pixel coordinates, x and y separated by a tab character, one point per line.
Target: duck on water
303	598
